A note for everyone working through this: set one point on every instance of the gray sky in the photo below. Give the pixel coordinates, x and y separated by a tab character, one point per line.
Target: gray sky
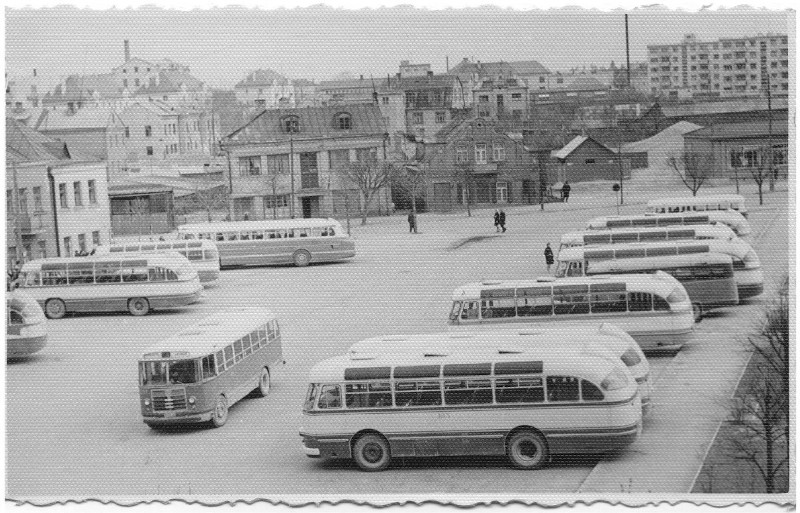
222	45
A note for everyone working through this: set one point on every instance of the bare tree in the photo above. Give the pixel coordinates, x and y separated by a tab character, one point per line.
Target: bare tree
463	174
693	169
273	175
761	408
369	176
209	199
139	209
762	170
411	177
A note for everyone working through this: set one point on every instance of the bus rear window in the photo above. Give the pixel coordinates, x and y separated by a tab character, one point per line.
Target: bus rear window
562	388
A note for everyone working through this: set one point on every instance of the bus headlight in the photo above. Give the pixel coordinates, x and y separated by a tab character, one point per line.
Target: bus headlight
631	357
614	381
191	400
751	260
147	402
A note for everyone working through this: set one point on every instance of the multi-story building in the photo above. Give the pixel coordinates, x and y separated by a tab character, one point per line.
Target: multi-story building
284	161
501	97
430	102
265	89
56	201
726	67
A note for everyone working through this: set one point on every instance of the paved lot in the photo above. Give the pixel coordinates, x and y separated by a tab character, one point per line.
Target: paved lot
73	426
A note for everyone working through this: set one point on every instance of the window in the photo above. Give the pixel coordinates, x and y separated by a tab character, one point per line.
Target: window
62	194
208	367
92	192
417	118
82	242
330	396
124	82
149	150
516	97
568	300
498	152
562	388
519	390
23	201
67	246
42	249
484	98
76	186
418	393
461	154
611	301
96	238
368	395
480	153
338	158
291	124
440	117
148	131
344	121
590	392
468	391
249	166
640	301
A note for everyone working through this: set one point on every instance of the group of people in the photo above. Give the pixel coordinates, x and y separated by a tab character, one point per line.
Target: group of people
500	221
83	252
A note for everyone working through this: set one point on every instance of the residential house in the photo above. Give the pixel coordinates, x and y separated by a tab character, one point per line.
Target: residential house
584	159
56	201
266	89
85	131
346	92
284	161
430	102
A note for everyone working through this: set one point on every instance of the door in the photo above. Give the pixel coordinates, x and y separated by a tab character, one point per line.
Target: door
502	192
310	206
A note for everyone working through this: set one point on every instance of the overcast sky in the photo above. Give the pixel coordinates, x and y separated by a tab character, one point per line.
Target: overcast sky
222	45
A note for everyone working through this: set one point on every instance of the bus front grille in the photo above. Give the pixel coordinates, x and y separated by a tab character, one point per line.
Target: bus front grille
165	399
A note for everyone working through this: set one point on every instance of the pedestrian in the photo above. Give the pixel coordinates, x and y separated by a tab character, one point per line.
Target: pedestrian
548	256
246	216
412	222
565	191
502	220
497	220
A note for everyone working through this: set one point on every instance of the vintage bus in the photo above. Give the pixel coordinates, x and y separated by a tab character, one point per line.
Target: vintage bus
198	374
275	242
524	405
667	233
603	340
202	254
26	326
746	265
136	283
707	277
713	202
731	219
653	309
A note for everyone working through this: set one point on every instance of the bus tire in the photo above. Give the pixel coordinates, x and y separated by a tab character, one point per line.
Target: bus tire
301	258
527	450
263	383
220	414
138	306
55	309
697	312
371	452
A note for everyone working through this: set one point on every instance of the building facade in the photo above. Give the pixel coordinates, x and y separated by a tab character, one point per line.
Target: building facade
585	160
727	67
284	162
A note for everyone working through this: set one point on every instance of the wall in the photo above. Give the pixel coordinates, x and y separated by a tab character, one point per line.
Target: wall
89	217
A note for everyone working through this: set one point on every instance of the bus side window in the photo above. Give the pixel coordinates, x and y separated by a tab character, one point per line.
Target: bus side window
245	236
590	392
220	362
220	236
519	390
470	310
32	279
15	317
329	397
232	236
258	235
209	370
659	303
228	357
237	351
418	393
640	301
562	388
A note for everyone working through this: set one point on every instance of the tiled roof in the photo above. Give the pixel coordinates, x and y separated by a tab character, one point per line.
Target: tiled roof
262	77
741	130
529	68
83	119
314	122
23	144
412	83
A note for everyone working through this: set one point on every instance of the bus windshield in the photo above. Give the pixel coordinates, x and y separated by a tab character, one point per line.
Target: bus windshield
169	372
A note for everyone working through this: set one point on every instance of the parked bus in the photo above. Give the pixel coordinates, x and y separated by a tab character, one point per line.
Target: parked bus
746	264
198	374
604	340
622	236
275	242
733	220
713	202
653	309
202	254
707	277
136	283
26	326
525	405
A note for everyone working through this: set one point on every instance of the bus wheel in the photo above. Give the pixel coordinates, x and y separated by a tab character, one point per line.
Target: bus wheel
220	415
371	453
55	309
697	312
264	383
301	258
138	306
527	450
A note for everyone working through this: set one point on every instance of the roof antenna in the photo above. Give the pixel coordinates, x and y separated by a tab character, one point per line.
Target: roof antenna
374	91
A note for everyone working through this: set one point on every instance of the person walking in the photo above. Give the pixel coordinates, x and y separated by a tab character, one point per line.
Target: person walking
502	221
497	220
548	256
565	191
412	223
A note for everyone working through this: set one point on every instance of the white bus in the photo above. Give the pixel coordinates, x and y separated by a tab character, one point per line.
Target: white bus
733	220
746	264
525	405
606	341
198	374
622	236
713	202
202	254
653	309
274	242
136	283
26	326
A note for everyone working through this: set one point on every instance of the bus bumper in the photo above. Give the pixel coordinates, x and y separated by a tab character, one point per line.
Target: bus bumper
181	417
208	276
750	290
328	448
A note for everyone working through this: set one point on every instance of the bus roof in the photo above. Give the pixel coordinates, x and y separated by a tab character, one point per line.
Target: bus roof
717	231
267	224
736	248
551	361
659	283
26	304
707	217
211	334
161	246
166	259
732	198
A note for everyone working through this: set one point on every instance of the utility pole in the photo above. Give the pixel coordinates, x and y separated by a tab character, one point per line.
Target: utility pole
17	214
769	138
230	181
291	172
627	52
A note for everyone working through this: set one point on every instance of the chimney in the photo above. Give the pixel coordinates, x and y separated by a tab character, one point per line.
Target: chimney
362	77
127	50
430	73
34	72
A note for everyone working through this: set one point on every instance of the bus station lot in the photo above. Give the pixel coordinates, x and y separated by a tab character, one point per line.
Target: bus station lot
73	427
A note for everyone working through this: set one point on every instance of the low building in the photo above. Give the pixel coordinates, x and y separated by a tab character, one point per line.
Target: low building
56	202
284	162
266	89
585	160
